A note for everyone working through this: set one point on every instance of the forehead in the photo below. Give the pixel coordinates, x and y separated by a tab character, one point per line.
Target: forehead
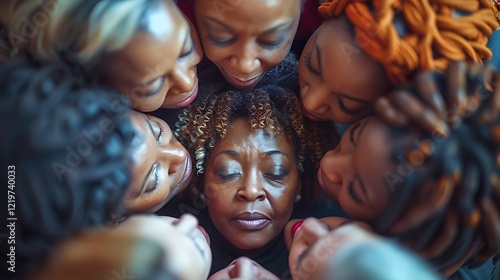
373	158
153	50
250	14
352	71
240	136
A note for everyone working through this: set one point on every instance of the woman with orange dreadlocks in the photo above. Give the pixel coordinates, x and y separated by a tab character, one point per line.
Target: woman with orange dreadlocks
365	47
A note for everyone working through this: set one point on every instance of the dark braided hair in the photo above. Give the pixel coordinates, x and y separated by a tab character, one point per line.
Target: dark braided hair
447	207
69	145
272	107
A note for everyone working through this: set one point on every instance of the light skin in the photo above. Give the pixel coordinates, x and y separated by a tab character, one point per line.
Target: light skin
357	173
187	246
243	268
244	39
103	252
251	173
338	81
161	168
157	68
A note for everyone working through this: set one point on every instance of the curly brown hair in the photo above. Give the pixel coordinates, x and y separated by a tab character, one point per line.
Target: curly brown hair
273	108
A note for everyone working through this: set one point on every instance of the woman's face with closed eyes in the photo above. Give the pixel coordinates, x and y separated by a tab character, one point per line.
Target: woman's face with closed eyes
157	68
161	168
359	171
246	38
338	81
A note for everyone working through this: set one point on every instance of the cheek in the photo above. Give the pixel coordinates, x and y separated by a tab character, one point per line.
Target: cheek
218	197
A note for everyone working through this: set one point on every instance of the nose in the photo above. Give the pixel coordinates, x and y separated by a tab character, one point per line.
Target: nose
246	60
251	189
183	79
333	165
315	99
172	155
187	223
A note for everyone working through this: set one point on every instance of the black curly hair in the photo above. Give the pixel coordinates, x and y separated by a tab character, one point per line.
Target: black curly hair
67	143
273	105
448	206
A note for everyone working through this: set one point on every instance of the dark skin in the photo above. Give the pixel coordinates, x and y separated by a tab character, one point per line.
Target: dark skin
433	111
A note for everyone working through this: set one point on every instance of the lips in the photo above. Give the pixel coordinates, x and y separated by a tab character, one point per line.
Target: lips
204	232
187	173
242	83
251	221
188	100
311	116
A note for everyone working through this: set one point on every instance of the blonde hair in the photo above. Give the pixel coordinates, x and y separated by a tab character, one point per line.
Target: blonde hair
83	28
435	36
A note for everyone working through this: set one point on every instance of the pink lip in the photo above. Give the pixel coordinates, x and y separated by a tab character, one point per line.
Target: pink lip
243	83
188	99
205	233
311	116
251	221
187	172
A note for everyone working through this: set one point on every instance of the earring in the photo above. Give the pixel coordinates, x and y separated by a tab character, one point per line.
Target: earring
300	167
202	197
298	198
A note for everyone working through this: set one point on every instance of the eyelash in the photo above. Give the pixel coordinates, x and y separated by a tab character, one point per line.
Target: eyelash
219	43
307	62
157	181
268	46
279	176
191	50
227	177
161	130
350	190
160	86
346	110
272	46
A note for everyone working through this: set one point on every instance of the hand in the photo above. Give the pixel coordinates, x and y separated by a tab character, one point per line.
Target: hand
465	86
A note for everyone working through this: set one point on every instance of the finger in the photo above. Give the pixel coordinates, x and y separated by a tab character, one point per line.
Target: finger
428	90
456	84
385	110
418	114
494	105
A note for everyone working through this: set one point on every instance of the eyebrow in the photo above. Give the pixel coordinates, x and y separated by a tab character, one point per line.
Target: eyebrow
287	24
226	152
275	152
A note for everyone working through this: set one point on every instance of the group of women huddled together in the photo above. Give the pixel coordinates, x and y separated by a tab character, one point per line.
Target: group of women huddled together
264	139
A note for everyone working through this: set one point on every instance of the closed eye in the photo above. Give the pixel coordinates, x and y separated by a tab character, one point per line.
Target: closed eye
161	131
188	53
228	176
307	63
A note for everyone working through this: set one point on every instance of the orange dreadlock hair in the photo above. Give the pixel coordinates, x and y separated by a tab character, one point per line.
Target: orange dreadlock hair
435	37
